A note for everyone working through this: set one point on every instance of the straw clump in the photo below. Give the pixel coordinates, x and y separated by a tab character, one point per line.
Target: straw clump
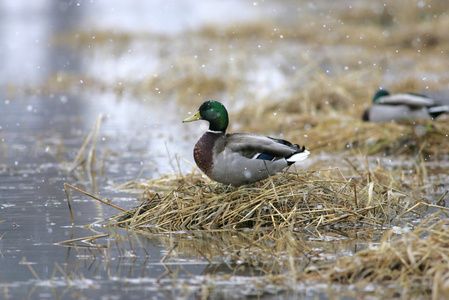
428	137
287	200
416	261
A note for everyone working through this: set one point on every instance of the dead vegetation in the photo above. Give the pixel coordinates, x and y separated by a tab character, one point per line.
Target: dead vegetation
288	200
429	138
416	262
399	261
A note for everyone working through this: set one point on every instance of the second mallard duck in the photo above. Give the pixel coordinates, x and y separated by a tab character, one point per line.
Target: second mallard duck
239	158
405	106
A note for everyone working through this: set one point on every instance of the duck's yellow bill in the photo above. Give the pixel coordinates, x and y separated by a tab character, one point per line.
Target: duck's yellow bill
195	117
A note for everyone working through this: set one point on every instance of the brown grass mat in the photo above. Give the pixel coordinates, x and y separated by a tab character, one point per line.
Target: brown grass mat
288	200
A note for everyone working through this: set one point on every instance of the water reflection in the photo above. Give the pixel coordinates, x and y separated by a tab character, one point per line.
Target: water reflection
179	263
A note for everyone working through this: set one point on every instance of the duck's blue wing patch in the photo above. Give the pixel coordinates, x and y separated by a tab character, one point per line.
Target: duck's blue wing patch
265	156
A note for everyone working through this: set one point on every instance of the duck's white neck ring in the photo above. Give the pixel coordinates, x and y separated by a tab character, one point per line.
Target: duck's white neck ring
213	131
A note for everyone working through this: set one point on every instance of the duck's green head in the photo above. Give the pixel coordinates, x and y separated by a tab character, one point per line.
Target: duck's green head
380	94
215	113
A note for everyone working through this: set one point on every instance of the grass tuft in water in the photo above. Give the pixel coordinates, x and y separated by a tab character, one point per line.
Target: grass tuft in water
288	200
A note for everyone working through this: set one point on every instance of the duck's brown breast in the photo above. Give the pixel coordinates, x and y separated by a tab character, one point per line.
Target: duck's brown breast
203	153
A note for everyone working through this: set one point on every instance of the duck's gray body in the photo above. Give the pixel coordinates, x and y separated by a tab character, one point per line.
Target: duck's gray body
402	107
235	158
391	113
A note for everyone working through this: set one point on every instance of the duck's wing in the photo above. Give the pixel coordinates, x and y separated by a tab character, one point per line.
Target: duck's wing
413	100
260	147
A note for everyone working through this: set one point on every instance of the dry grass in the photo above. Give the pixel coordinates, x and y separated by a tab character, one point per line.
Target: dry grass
416	262
420	137
407	263
288	200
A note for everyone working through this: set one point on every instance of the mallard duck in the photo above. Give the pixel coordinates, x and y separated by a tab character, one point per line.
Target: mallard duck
239	158
405	106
